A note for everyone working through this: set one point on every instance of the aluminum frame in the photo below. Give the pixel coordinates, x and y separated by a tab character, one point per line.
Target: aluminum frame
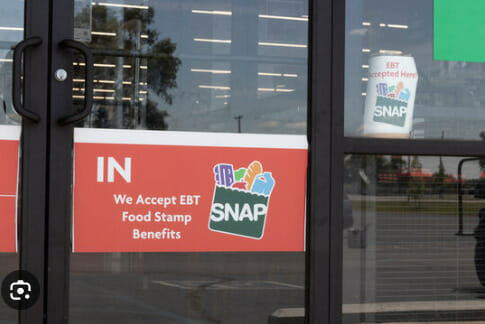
33	148
60	141
318	284
59	169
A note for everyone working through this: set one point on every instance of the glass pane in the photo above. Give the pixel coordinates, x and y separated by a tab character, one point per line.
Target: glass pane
199	66
234	66
413	239
417	74
11	32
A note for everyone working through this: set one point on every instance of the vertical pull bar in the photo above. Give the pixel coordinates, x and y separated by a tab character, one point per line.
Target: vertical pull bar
88	100
17	82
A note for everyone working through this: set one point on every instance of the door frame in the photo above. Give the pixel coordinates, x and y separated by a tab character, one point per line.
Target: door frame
320	129
60	165
325	138
33	156
327	147
341	145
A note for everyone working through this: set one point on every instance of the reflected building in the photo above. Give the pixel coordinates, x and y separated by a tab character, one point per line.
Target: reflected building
230	59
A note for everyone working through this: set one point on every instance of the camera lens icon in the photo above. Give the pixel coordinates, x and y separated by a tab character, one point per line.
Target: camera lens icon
20	290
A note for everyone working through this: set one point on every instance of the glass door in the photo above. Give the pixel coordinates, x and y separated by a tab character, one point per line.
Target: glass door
412	163
162	160
23	131
189	169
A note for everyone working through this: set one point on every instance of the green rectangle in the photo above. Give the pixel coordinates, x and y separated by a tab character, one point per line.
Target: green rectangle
236	200
459	30
392	111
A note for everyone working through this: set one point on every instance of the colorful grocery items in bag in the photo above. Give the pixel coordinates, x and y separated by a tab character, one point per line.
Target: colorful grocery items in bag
251	178
239	174
240	185
263	184
224	174
254	169
390	96
241	200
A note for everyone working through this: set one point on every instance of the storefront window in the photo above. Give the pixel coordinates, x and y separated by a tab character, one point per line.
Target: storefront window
193	66
233	67
413	247
414	69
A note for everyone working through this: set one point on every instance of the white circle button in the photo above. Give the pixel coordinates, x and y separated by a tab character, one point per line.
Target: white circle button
60	75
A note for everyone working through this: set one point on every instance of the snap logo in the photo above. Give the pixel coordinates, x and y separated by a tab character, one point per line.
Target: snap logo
391	104
241	200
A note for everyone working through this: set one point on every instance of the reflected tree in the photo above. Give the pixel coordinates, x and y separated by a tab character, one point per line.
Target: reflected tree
482	160
131	60
439	178
415	185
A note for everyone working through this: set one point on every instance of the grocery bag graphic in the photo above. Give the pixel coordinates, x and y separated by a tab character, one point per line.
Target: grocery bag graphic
391	104
390	96
241	200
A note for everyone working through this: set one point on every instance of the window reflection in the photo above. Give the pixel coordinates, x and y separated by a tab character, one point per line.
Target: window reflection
11	32
449	96
212	65
197	66
413	239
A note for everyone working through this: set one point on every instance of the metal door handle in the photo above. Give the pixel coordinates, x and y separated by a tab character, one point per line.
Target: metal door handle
17	82
88	88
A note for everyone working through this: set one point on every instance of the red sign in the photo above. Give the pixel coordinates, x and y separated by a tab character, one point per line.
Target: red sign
9	152
147	191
